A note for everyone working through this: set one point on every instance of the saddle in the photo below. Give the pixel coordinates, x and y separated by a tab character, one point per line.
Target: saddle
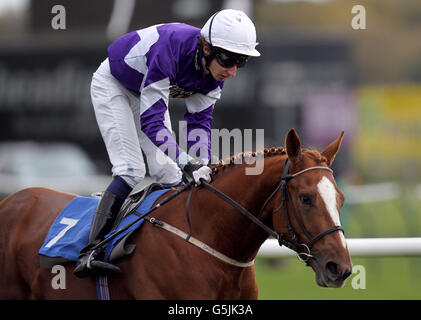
63	247
134	200
129	207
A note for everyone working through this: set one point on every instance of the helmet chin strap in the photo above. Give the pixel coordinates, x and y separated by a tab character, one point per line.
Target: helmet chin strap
208	59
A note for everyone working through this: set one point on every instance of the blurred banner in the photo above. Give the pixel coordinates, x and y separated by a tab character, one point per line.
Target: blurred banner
44	92
388	141
326	113
97	13
45	78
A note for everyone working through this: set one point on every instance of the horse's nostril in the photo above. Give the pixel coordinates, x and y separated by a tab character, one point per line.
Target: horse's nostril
333	269
336	272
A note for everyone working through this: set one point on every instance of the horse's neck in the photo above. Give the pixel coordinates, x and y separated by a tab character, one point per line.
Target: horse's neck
226	228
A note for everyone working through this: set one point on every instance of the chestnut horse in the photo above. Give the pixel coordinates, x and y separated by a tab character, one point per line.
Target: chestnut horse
305	215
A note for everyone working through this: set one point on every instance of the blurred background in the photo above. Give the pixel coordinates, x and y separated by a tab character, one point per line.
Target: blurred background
316	74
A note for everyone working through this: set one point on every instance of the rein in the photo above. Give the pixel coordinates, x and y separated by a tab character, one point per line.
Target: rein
294	244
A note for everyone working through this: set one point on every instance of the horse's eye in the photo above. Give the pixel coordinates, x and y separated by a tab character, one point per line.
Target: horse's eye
306	199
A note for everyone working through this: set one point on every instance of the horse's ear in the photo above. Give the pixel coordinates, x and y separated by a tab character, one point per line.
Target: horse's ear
332	149
293	145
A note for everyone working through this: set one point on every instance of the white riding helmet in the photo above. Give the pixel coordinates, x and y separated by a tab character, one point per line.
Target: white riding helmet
231	30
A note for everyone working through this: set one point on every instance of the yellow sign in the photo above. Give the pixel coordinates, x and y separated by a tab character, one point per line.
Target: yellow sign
388	138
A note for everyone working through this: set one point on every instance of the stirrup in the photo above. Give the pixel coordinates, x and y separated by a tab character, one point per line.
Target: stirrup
99	266
91	266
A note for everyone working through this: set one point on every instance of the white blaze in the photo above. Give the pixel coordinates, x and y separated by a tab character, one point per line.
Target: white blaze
328	193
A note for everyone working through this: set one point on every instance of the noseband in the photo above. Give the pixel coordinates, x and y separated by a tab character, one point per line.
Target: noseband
294	243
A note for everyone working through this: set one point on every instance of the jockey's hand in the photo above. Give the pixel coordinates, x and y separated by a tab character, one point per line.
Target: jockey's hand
197	171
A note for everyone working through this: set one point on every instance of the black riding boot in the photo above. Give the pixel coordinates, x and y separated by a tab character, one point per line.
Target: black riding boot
90	261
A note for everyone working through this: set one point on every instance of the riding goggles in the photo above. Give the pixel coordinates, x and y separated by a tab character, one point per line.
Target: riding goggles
229	59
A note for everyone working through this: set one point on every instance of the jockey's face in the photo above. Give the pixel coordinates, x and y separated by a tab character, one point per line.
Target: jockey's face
219	72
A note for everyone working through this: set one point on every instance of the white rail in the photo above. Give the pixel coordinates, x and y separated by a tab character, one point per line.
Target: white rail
363	247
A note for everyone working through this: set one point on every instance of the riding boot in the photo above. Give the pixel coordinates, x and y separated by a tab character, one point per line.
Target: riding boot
91	261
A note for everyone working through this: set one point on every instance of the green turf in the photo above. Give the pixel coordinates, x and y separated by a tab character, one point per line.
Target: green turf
386	277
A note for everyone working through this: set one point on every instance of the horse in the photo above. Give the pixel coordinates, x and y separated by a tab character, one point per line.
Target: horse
294	199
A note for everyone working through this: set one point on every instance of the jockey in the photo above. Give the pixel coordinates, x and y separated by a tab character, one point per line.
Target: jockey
130	93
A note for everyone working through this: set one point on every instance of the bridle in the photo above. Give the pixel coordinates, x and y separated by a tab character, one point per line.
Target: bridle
294	243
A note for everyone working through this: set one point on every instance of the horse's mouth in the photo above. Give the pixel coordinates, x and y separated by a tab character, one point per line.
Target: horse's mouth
323	282
323	279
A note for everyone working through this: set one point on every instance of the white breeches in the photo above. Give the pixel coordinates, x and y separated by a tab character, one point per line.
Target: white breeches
117	111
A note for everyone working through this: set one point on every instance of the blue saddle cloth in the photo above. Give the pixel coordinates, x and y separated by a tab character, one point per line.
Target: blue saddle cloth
69	232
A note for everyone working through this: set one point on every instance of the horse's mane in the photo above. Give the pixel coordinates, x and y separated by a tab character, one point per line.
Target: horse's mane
239	158
267	152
